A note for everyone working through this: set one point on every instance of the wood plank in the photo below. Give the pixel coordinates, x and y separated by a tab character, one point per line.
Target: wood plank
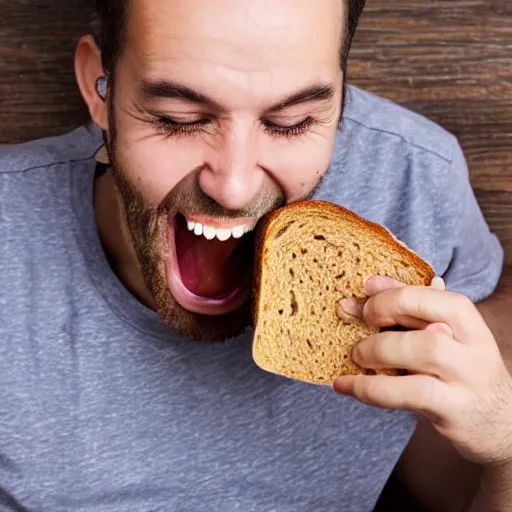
497	208
449	61
38	93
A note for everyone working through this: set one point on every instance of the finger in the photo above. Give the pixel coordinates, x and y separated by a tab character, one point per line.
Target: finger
398	305
351	310
423	352
440	328
438	284
418	393
379	284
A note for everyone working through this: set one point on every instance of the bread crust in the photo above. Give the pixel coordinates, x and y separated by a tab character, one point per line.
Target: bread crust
270	225
265	232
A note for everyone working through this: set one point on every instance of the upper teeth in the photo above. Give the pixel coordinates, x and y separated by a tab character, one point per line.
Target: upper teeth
223	234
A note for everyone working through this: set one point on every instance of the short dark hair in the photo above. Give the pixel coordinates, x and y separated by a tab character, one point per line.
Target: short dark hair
109	29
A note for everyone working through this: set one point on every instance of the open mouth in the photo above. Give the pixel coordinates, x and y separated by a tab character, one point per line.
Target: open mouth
210	267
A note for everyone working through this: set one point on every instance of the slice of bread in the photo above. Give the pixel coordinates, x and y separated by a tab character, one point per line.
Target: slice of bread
310	255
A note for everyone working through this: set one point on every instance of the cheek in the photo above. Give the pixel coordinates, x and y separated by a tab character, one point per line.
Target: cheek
155	164
298	166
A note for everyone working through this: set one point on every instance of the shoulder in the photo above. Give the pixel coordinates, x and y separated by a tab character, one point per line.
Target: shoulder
382	146
38	209
381	120
395	157
397	168
76	146
36	185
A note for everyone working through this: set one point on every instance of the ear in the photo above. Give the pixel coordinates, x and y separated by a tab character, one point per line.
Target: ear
88	70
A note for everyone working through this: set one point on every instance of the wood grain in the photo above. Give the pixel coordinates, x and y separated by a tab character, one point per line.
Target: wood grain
450	61
38	93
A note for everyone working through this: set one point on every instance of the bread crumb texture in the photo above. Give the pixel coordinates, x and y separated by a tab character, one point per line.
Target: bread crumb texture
311	255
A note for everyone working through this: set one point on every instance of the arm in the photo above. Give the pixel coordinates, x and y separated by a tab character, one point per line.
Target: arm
439	478
433	470
458	383
494	491
495	484
497	312
435	474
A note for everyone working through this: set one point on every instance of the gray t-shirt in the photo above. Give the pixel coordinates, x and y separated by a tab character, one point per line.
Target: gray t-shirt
102	408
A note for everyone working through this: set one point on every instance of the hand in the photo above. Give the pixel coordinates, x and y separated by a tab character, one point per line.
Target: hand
457	377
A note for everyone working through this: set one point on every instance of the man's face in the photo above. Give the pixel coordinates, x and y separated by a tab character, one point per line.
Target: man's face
222	111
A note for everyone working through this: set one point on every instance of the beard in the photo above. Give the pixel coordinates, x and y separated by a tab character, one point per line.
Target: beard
150	230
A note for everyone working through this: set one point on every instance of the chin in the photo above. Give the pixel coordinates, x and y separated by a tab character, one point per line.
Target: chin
203	285
205	328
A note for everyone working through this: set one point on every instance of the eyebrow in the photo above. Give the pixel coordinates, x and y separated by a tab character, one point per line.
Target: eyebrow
163	89
318	92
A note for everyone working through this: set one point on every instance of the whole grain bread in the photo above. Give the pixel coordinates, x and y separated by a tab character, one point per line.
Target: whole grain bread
310	255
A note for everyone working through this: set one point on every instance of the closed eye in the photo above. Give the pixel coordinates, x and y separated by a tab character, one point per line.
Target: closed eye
294	130
170	126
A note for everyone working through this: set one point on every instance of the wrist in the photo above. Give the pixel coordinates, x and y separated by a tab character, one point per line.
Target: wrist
495	488
497	472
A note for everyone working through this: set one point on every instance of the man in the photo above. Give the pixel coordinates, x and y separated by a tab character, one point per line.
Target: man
125	365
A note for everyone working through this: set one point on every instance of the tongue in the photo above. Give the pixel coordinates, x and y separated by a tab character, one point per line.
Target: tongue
208	268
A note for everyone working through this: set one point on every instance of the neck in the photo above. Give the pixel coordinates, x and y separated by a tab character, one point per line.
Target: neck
116	239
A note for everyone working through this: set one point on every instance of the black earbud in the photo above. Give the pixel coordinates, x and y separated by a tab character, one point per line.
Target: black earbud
101	87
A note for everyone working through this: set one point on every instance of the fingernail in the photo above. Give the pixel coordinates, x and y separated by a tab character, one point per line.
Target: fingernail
346	318
378	284
351	307
355	355
438	283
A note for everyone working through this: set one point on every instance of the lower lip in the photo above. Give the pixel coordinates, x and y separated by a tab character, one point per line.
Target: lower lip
193	303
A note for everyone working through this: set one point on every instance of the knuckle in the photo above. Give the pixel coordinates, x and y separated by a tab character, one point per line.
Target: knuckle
434	351
462	305
424	395
358	352
424	304
465	303
403	298
369	390
378	311
362	389
412	302
380	352
371	312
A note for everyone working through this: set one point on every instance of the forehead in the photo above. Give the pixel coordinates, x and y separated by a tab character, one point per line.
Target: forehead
238	35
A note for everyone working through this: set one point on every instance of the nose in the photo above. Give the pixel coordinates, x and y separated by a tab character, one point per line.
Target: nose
232	176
